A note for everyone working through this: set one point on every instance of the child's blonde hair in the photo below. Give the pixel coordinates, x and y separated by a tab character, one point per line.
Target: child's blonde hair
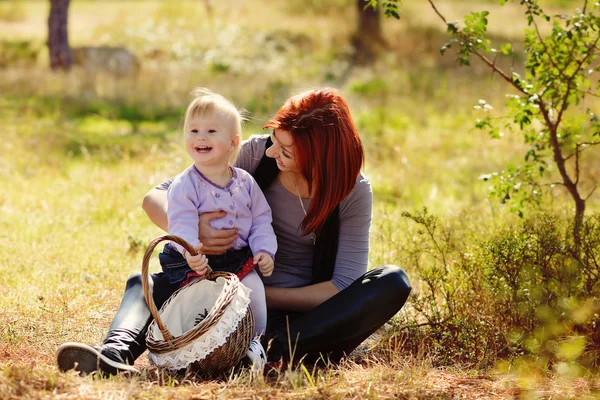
205	102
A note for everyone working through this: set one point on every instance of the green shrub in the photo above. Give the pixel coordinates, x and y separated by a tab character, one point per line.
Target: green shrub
524	293
12	11
18	52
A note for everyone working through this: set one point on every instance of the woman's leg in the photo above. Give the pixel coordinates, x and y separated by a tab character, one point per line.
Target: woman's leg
340	324
125	340
126	337
257	301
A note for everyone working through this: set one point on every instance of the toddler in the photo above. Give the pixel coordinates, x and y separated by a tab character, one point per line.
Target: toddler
212	129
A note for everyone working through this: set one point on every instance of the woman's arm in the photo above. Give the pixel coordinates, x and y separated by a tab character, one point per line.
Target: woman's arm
300	298
352	256
155	206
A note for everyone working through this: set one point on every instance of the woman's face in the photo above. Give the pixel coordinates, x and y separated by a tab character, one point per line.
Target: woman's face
282	150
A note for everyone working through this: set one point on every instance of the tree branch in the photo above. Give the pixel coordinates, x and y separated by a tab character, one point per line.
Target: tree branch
591	192
537	31
557	155
553	183
483	58
589	144
432	324
577	152
570	78
558	158
565	102
494	62
585	145
588	93
437	12
587	56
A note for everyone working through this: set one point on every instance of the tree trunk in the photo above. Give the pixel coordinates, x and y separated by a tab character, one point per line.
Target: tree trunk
578	221
368	39
369	23
58	39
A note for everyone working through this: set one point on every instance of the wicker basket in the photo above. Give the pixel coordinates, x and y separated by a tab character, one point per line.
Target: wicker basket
211	345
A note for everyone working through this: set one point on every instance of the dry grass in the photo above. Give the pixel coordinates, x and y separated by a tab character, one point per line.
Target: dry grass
403	379
349	381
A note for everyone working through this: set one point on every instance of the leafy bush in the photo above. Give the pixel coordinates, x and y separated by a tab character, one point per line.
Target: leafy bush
18	52
12	11
526	292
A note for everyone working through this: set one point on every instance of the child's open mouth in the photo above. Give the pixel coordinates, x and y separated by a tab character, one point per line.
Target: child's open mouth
203	149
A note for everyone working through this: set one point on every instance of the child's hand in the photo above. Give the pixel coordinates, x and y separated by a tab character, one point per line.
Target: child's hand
198	263
265	263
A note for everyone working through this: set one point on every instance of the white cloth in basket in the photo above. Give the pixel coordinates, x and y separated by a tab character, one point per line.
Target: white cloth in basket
185	309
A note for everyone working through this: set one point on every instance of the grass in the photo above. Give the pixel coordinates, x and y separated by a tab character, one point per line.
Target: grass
77	154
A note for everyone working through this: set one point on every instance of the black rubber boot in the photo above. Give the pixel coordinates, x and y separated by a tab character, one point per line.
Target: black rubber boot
126	337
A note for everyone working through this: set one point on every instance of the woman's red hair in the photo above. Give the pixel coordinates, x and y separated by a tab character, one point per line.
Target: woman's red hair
327	149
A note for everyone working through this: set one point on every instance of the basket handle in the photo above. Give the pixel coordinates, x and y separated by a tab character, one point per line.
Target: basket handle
146	284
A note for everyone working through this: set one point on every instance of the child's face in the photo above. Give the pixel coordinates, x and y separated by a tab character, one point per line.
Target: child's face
209	140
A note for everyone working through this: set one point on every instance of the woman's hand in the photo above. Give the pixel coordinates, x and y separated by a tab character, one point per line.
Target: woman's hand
265	263
198	263
215	241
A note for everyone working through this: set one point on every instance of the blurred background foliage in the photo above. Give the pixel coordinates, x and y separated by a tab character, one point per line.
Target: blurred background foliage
78	150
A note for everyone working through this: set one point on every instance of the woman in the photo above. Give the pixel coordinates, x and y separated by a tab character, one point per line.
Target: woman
320	298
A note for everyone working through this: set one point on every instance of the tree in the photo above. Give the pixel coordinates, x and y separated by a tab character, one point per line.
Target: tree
369	22
58	39
368	39
559	69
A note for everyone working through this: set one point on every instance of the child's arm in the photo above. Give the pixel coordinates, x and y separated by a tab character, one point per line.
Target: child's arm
261	237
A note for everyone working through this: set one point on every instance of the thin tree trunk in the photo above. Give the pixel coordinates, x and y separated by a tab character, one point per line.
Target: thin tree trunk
570	185
369	23
58	39
578	222
368	39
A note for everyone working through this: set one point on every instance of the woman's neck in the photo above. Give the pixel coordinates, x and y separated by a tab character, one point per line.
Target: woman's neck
294	183
220	174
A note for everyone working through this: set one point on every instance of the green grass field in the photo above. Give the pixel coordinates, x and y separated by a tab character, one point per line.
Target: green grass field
78	153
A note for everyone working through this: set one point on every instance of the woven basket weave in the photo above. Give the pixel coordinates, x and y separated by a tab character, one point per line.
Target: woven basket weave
225	355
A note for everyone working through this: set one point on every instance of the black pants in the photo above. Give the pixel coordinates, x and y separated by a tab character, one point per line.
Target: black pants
333	329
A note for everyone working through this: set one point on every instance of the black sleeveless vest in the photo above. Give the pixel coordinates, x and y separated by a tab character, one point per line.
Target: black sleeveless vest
326	245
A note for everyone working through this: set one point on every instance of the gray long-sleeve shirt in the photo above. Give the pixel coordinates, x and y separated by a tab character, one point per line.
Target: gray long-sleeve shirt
293	263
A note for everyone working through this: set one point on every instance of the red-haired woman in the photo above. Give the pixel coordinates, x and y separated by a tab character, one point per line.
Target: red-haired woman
320	294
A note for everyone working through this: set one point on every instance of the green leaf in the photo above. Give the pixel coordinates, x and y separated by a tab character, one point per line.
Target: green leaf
572	348
308	377
370	3
506	48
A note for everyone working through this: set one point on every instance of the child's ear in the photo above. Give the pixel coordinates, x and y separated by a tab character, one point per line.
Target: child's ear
235	141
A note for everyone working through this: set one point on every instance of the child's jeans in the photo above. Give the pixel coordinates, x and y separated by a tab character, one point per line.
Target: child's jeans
176	268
